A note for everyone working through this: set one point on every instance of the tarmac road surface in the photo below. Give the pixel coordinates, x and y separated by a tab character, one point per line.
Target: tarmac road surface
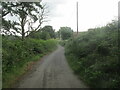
52	71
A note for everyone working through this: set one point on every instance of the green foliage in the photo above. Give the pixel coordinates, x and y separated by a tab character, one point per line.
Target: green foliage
35	34
49	29
65	33
62	42
94	56
17	54
45	33
25	12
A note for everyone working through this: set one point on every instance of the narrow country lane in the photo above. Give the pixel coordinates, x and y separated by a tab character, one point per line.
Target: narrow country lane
52	71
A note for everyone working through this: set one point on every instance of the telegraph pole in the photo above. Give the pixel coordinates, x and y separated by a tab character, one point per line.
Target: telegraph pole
119	15
77	16
119	29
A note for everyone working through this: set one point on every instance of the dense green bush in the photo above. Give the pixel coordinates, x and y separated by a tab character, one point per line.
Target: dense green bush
62	42
45	33
94	56
39	35
17	53
65	33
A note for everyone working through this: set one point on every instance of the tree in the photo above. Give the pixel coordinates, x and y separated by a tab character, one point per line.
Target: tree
50	30
45	33
27	13
65	32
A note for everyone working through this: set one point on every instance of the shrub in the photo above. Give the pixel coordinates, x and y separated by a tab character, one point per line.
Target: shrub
17	54
94	56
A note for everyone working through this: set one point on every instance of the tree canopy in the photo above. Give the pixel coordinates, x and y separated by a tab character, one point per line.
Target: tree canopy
49	29
26	14
47	32
65	32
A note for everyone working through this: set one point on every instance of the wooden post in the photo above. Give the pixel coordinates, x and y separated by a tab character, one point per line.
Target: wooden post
77	17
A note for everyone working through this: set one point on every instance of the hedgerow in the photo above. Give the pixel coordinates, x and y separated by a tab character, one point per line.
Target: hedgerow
93	55
17	54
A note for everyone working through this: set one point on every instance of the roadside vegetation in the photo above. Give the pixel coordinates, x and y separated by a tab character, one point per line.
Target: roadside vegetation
18	56
22	43
93	55
64	34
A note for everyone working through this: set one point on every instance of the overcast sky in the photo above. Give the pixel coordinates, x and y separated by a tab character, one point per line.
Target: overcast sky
92	13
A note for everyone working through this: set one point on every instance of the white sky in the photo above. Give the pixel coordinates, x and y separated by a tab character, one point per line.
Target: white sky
92	13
